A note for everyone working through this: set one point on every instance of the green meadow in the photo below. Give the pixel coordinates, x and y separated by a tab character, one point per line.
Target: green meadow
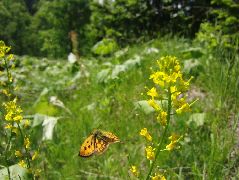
106	88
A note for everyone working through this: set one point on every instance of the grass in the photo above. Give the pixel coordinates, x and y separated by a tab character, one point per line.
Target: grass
208	150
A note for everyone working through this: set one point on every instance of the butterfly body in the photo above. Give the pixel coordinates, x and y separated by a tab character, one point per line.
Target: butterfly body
97	143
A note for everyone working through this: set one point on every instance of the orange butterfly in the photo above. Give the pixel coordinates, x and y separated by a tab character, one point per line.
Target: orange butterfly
97	143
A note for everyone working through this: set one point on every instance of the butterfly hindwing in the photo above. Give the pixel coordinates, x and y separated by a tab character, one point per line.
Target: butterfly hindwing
88	147
100	145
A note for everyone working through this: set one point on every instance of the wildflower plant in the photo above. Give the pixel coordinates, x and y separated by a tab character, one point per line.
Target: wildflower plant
18	145
168	97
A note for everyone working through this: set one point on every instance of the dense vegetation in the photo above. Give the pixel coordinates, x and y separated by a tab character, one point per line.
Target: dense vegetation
116	45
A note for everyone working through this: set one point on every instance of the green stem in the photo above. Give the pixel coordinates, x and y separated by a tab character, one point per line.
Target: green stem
8	75
27	152
10	138
6	151
164	133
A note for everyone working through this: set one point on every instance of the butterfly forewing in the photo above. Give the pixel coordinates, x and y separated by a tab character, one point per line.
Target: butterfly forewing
88	147
110	137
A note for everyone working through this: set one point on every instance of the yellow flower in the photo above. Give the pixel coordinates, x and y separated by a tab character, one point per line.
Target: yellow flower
18	153
172	78
174	137
18	110
144	132
18	118
150	152
10	57
26	142
177	67
174	97
8	116
158	177
152	92
35	155
13	112
5	92
184	85
158	78
173	89
184	108
22	163
26	123
154	105
3	49
171	146
162	118
8	126
174	140
134	171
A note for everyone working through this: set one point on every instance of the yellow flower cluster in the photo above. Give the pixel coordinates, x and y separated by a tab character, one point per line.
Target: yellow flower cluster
134	171
3	49
169	71
13	112
168	80
162	118
158	177
167	97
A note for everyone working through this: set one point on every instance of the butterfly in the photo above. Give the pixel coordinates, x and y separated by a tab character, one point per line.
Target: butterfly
97	143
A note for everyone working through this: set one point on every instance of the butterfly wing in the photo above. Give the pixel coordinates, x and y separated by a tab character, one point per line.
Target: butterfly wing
97	143
103	139
100	145
109	137
88	147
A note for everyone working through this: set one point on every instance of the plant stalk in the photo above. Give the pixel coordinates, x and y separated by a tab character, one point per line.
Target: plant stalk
164	133
6	151
27	152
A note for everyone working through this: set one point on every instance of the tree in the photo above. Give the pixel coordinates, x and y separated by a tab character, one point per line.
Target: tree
14	19
53	22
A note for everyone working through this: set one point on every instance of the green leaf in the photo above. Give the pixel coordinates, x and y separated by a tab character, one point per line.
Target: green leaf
103	75
105	47
37	119
144	106
16	171
48	127
197	118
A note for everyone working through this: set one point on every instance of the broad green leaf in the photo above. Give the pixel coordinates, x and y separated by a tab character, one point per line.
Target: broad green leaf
105	47
38	119
48	127
16	171
103	75
197	118
146	108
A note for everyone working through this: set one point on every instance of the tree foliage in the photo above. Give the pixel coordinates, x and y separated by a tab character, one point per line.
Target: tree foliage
41	28
14	20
